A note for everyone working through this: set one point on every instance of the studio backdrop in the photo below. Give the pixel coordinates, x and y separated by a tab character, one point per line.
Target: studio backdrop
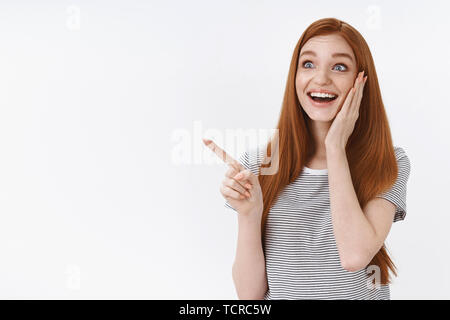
106	188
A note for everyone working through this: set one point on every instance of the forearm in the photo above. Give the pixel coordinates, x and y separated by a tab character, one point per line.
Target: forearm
353	231
249	268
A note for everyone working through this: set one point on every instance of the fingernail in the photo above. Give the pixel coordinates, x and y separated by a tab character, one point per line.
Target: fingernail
238	176
248	186
247	194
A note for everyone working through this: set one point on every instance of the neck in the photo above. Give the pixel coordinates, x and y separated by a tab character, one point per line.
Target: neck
319	130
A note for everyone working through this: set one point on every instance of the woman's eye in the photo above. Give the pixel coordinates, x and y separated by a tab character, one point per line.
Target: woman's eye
343	65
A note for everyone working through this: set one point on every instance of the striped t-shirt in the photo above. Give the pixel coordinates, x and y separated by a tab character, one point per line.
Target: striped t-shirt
302	259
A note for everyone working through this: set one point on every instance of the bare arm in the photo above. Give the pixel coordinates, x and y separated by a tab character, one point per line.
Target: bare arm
249	268
359	234
242	190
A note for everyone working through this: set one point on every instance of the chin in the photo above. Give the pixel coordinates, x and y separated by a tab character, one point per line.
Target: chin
322	119
320	115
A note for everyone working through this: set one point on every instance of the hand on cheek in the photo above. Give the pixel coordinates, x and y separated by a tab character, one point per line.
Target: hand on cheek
346	117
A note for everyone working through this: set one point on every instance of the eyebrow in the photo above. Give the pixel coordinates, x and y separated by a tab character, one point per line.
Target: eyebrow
334	55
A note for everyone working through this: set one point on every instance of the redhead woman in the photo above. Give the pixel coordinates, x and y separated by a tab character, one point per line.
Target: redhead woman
315	229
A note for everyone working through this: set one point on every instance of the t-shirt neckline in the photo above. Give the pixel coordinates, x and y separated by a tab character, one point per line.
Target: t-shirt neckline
315	171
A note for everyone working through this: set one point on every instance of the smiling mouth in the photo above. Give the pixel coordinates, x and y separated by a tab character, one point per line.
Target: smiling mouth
321	99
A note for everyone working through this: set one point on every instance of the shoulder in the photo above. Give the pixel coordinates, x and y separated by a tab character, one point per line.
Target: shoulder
252	159
399	152
402	159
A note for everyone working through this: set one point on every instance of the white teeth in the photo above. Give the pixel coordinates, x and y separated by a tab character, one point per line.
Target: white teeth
322	95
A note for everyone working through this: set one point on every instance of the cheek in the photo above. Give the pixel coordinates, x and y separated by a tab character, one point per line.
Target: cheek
300	84
344	88
347	87
347	83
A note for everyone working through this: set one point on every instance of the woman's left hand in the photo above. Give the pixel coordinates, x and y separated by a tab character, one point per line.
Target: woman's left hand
344	122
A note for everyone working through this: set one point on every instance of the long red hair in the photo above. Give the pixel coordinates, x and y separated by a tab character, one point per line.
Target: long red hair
370	151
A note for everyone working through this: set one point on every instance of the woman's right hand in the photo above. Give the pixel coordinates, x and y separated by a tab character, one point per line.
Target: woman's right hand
240	187
242	190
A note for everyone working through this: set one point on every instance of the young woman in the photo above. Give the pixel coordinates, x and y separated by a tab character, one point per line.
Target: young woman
316	228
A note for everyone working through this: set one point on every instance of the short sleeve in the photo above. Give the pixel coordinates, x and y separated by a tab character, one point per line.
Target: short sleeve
397	193
249	160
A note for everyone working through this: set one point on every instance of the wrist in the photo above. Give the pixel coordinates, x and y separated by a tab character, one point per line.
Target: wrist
253	217
333	150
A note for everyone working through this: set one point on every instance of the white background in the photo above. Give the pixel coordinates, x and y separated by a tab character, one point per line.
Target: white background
93	202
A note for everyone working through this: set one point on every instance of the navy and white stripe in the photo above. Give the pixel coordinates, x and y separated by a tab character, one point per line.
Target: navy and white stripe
302	260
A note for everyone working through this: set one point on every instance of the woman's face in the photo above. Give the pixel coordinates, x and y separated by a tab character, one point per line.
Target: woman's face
326	63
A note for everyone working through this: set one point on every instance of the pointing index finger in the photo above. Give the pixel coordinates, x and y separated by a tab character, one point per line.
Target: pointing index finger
222	154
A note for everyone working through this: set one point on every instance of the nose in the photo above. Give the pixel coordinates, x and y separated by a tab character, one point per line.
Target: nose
321	77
